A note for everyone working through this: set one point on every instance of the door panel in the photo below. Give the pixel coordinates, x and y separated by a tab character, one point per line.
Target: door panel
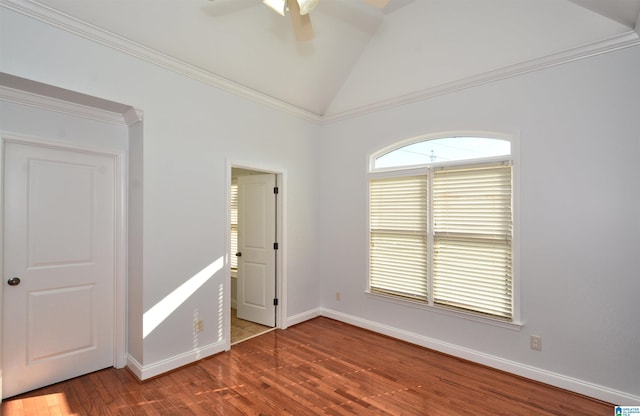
255	276
59	221
256	236
70	333
53	212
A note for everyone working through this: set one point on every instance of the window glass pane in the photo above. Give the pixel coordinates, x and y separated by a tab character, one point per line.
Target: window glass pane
443	150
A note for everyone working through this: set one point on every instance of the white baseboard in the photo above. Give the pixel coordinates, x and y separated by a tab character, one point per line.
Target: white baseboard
523	370
144	372
134	366
304	316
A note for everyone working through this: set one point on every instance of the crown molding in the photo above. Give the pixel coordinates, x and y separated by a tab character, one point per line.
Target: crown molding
43	102
625	40
48	15
32	9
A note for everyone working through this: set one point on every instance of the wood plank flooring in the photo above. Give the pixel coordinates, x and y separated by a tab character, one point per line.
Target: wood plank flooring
319	367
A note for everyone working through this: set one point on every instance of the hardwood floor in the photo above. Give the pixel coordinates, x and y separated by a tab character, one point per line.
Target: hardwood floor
241	329
319	367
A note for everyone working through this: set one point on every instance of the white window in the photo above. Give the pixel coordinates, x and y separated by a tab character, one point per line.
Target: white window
441	224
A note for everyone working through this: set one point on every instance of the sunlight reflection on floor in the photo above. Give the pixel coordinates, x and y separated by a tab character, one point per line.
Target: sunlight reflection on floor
50	404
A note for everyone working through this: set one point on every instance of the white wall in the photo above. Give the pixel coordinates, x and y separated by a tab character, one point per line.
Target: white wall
190	129
579	128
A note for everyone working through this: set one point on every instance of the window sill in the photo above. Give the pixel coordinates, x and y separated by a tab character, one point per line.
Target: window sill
512	325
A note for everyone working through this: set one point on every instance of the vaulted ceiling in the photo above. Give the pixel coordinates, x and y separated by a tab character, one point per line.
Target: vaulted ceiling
361	57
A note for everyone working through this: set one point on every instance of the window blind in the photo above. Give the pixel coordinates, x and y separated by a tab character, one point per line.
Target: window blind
398	236
472	239
234	226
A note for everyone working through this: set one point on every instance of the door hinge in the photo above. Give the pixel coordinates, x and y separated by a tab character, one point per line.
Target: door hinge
276	246
276	189
275	302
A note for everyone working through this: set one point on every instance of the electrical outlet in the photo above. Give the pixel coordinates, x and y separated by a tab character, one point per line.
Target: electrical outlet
535	342
337	295
198	326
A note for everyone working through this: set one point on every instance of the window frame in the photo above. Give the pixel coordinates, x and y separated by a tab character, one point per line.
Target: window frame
428	169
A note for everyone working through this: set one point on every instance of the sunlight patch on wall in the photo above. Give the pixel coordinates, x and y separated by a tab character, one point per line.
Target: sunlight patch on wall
220	311
161	310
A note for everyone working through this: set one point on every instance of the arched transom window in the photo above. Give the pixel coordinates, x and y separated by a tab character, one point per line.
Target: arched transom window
447	149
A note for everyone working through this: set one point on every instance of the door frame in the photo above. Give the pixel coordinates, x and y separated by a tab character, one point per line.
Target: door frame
281	237
120	233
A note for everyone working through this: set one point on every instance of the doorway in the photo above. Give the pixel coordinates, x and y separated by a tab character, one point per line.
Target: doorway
255	214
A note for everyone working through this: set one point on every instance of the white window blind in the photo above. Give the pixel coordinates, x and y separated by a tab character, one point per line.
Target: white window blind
234	225
463	224
472	238
398	236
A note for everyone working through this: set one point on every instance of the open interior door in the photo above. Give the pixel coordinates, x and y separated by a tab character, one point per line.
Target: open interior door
257	249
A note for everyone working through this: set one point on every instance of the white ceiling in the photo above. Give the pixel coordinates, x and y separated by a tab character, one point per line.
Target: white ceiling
361	57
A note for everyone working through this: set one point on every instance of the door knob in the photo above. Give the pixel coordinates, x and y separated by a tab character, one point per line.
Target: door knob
14	281
238	254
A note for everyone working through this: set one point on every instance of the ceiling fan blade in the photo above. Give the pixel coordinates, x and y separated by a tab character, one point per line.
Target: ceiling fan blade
278	6
380	4
301	23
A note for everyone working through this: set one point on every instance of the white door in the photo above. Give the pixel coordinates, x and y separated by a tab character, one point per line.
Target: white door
257	256
58	320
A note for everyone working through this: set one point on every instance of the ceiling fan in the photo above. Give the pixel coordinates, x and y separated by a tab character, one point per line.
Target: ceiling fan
299	12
